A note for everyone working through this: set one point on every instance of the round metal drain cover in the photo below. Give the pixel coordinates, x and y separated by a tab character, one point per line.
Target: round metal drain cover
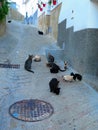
31	110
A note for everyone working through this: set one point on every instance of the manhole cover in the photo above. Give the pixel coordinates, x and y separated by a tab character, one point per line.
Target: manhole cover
16	66
31	110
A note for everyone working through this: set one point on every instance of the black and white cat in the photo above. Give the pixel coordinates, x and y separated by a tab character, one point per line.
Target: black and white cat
28	64
53	85
65	64
77	76
55	68
72	77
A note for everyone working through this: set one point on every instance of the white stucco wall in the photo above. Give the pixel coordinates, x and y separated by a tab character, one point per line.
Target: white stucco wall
79	14
31	7
81	9
66	12
93	15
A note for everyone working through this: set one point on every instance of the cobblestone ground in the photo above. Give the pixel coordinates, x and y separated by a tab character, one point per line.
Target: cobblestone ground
76	108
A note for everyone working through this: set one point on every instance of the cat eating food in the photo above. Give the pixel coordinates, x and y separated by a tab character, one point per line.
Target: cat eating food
53	85
28	64
78	76
72	77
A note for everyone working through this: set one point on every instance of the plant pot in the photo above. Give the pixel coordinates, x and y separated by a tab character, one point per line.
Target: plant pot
44	5
54	2
41	9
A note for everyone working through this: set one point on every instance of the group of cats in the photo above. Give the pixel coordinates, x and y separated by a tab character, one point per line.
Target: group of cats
54	82
54	68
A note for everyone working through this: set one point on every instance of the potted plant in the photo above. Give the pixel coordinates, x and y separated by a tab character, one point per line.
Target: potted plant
54	2
39	6
50	2
43	4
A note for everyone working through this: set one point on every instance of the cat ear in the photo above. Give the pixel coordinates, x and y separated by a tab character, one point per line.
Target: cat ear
31	55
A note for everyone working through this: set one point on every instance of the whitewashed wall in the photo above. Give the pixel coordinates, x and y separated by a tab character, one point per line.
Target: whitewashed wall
93	15
31	7
80	14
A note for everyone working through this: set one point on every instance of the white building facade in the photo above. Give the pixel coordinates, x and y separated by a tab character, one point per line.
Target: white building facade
80	14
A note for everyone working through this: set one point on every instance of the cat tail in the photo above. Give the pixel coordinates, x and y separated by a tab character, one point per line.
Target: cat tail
30	70
62	70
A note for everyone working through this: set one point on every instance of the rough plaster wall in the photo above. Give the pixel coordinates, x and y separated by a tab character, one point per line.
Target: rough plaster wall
46	21
61	33
92	52
41	21
2	27
54	21
16	15
81	48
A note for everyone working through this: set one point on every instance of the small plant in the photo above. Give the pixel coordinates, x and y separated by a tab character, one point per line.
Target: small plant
49	2
4	8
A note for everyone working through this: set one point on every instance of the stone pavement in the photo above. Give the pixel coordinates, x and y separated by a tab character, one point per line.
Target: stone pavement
76	108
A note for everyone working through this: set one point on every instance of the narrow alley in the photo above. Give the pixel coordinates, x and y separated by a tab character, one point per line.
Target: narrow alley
75	108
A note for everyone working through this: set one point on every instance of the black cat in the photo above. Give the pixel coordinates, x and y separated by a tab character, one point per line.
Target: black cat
9	21
55	68
28	64
53	84
57	91
77	76
40	32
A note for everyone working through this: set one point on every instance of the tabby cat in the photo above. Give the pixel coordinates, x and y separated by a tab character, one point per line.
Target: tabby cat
28	64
